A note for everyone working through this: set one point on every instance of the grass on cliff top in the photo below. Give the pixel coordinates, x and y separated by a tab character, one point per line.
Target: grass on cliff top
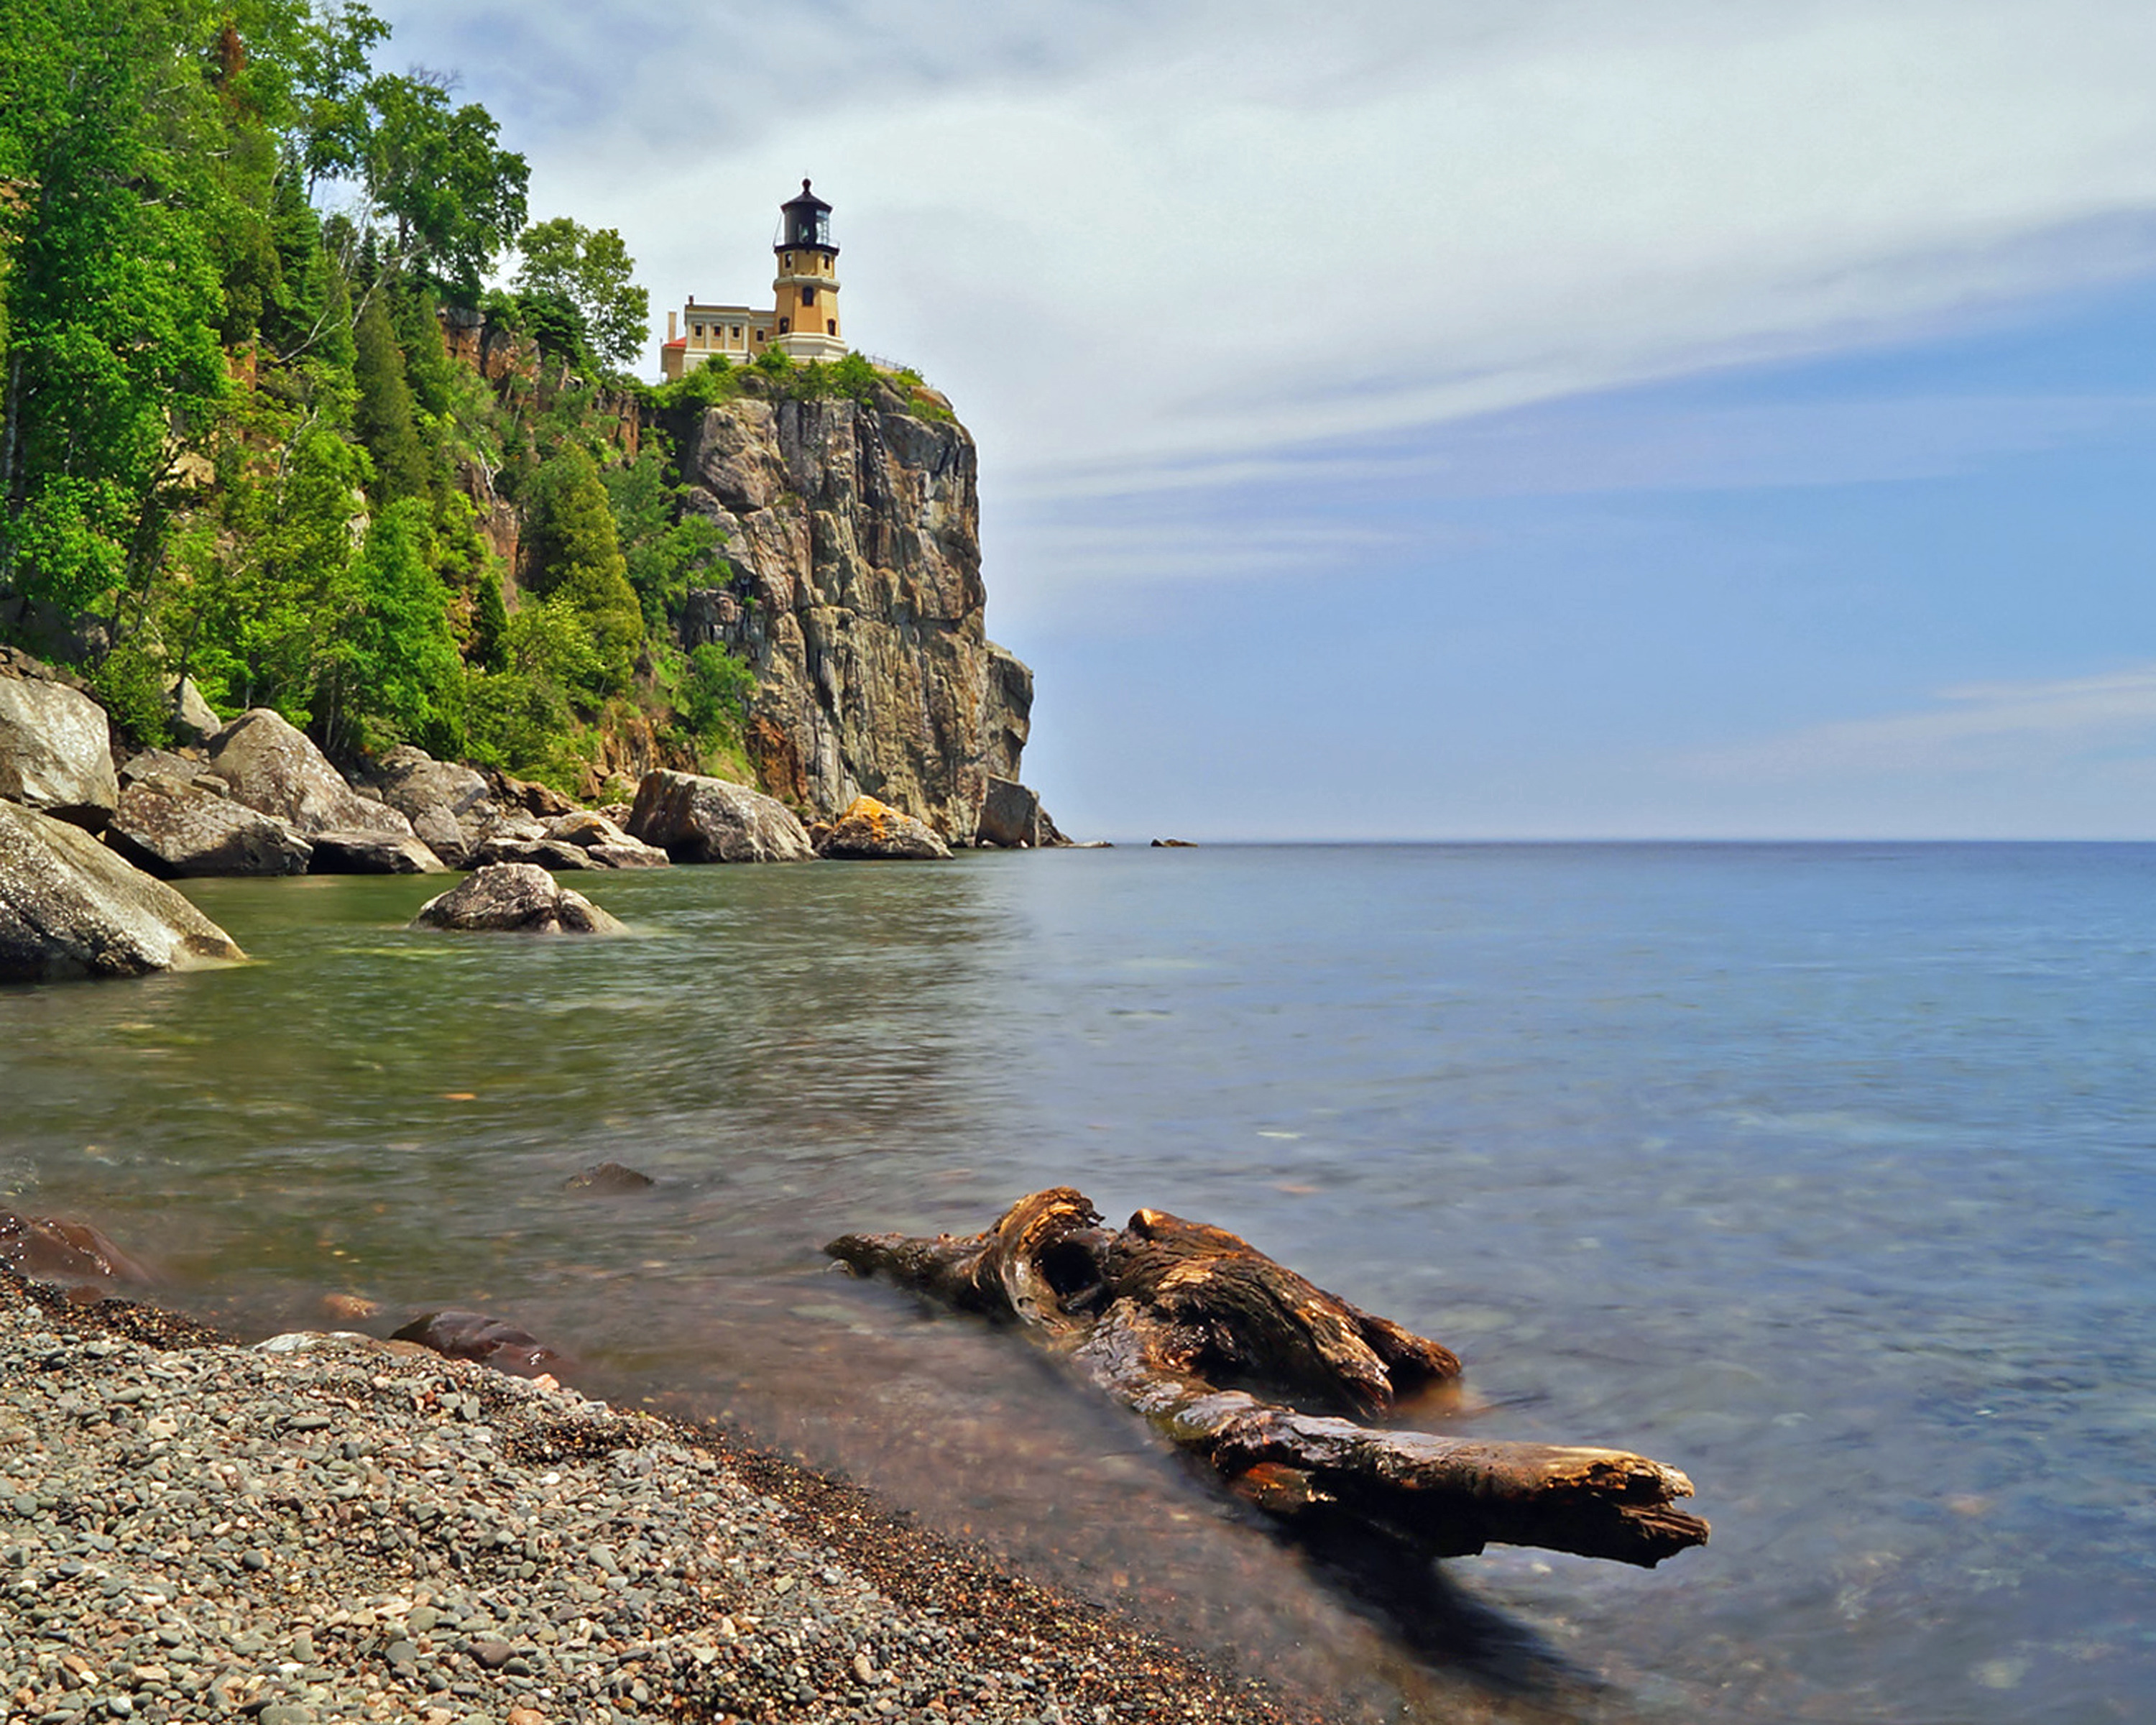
772	376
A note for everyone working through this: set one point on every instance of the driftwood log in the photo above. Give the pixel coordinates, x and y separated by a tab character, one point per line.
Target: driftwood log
1192	1327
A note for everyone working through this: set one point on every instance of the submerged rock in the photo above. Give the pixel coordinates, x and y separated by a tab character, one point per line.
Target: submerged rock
277	769
178	828
56	751
70	907
45	1248
474	1336
694	819
608	1177
870	830
516	898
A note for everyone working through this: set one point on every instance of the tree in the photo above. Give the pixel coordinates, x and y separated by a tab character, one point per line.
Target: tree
666	552
457	200
383	415
588	272
113	367
576	558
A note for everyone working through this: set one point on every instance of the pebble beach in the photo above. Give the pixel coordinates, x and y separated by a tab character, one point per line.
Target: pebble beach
328	1527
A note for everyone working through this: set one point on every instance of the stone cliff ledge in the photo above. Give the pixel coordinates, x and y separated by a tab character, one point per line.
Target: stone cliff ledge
853	530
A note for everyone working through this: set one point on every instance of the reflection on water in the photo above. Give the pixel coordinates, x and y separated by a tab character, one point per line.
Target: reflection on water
1822	1172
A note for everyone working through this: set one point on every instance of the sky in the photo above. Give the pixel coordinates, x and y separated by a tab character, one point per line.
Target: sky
1506	418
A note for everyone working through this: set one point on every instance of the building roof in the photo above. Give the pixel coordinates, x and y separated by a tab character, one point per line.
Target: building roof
806	200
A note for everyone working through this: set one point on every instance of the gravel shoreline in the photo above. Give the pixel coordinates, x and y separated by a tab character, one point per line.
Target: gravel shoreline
353	1530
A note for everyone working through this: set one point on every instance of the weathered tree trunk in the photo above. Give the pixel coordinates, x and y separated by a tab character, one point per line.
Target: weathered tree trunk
1182	1322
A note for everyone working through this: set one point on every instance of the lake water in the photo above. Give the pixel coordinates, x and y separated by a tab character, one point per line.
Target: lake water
1823	1173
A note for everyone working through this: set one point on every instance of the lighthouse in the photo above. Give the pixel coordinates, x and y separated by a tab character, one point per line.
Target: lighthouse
807	280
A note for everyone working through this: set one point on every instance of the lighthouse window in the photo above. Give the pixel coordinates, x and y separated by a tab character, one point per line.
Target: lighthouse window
785	324
808	296
831	326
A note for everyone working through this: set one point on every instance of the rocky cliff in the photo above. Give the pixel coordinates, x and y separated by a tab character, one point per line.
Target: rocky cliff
854	532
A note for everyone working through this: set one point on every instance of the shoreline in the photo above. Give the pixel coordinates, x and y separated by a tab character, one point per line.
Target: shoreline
194	1527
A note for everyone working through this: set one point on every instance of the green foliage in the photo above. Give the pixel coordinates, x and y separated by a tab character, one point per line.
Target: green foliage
666	552
457	200
130	684
576	559
519	717
580	279
489	637
389	670
113	304
714	382
235	446
714	694
852	378
383	416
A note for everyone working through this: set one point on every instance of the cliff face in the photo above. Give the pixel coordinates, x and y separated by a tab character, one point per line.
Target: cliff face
854	532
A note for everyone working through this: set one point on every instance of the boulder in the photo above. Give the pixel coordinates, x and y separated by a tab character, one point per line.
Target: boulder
695	819
70	907
194	720
1010	815
870	830
607	846
272	767
531	797
629	854
548	854
163	766
175	827
56	751
448	804
362	853
516	897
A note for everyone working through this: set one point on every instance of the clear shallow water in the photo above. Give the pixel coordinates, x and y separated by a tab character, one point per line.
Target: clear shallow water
1823	1173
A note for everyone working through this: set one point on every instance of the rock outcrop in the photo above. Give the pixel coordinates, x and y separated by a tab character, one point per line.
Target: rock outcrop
869	831
853	529
71	908
694	819
56	751
516	898
275	767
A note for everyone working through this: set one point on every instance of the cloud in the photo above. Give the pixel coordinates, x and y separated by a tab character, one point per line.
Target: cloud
1154	244
1980	728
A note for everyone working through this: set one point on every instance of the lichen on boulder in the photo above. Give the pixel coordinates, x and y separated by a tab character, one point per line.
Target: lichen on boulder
867	830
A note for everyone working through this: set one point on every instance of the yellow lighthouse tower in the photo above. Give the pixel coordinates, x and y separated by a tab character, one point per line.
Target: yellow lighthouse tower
808	281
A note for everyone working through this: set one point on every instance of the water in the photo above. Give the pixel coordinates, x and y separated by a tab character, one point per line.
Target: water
1823	1173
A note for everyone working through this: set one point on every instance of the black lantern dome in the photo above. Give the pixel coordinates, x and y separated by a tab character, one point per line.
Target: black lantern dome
808	226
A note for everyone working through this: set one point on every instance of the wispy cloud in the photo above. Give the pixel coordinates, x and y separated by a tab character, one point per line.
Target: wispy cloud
1129	235
1978	728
